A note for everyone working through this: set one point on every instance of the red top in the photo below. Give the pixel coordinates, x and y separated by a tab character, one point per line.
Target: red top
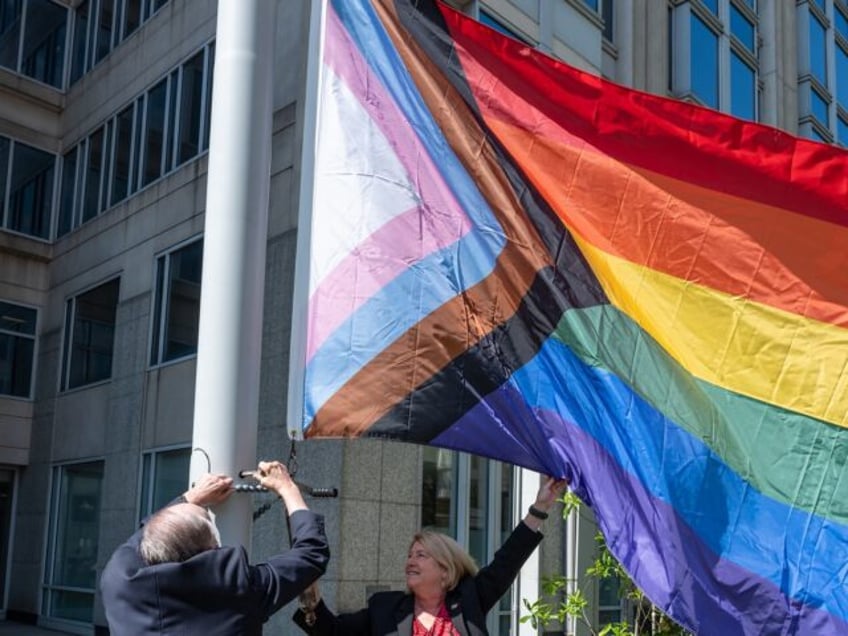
441	627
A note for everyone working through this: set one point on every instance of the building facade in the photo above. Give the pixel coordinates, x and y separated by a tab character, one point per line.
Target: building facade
104	133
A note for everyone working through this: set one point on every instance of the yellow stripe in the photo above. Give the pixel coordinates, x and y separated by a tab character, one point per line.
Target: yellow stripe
746	347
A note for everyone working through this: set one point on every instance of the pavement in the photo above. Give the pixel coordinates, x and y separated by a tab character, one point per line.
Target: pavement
11	628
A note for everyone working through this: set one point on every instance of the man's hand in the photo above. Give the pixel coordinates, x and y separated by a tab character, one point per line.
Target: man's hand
275	476
210	490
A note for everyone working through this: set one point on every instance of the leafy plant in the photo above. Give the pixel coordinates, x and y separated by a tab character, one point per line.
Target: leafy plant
563	599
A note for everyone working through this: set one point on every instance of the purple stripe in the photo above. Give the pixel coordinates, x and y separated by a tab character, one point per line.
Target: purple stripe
370	266
663	555
439	222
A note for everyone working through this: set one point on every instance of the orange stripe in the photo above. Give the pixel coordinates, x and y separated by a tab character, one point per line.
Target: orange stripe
739	247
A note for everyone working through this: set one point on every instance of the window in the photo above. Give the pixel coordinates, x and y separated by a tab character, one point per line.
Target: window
818	50
473	500
101	25
165	475
823	69
176	310
41	54
89	336
704	45
30	188
497	25
714	55
605	9
122	154
17	349
609	601
70	574
191	109
842	131
163	128
31	191
7	491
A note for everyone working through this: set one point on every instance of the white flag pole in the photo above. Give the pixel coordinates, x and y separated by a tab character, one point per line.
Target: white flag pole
226	401
310	114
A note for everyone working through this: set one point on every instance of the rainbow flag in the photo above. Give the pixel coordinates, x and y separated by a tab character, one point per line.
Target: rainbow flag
517	259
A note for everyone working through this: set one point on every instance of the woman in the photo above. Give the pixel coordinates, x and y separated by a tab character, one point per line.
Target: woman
448	595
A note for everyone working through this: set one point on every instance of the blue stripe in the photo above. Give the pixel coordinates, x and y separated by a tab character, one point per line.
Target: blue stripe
434	280
800	553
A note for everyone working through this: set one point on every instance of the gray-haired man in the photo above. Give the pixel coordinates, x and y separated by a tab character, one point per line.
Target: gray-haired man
173	577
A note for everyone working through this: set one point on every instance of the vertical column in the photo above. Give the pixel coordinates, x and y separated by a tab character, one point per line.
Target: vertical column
226	402
529	578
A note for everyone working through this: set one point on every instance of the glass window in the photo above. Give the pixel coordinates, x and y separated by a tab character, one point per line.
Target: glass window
176	312
44	42
818	56
609	601
704	49
207	110
819	107
170	123
104	30
93	172
191	109
607	14
10	32
7	483
592	4
712	5
132	16
165	476
67	195
90	336
80	43
814	134
121	156
742	28
496	24
17	348
437	491
842	131
841	22
743	92
5	148
154	137
841	77
74	534
31	190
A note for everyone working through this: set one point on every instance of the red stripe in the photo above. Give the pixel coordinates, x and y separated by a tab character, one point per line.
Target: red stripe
663	135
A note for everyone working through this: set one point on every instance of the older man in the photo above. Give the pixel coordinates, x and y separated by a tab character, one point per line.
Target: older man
173	577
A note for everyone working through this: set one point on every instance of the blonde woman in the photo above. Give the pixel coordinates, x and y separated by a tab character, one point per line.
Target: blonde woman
447	594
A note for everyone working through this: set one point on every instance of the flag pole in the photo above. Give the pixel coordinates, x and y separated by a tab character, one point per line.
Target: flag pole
226	401
300	300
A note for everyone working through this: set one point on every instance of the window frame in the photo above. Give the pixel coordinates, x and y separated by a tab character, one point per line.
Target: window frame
51	547
70	319
168	162
35	341
147	474
681	13
161	300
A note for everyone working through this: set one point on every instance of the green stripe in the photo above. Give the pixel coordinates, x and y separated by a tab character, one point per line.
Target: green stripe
790	457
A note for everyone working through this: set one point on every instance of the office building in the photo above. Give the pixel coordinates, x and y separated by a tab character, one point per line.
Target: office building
104	133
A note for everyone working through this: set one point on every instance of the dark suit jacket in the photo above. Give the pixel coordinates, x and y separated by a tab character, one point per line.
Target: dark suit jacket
392	613
216	592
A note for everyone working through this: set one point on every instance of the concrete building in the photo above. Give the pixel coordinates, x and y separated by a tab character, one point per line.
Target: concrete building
104	128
